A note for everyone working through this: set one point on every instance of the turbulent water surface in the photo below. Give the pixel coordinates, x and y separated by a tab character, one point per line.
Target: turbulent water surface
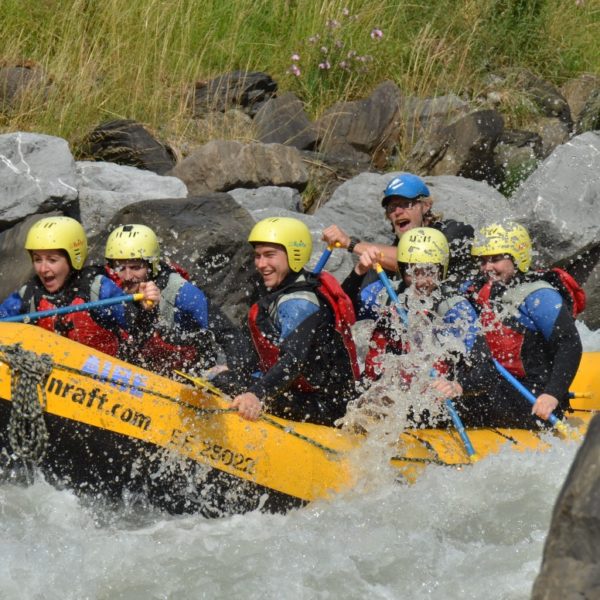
474	533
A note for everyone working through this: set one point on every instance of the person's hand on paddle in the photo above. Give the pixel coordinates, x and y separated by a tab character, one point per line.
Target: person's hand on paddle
151	294
544	406
333	234
248	405
446	389
368	257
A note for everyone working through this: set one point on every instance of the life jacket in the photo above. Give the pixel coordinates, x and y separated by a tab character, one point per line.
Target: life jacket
77	326
165	350
565	284
331	292
505	340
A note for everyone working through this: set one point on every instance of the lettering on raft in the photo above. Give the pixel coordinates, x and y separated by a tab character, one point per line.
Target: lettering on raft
120	377
215	453
96	399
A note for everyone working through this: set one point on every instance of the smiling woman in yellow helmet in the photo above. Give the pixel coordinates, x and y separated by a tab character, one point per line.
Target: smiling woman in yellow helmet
183	332
58	250
529	330
304	362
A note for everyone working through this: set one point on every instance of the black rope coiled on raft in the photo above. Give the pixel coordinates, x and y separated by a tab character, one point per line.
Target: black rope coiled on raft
27	432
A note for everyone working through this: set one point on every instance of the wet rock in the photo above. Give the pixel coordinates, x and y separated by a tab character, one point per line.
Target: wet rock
271	197
545	96
369	126
282	120
242	89
589	119
464	148
127	142
560	205
423	116
578	91
571	565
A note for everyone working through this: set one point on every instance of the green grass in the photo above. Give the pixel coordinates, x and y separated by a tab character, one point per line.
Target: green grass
139	59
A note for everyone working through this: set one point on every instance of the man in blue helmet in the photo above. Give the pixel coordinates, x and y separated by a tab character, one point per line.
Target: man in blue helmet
407	203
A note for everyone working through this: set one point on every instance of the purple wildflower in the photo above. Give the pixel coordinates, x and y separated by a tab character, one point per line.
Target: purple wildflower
295	57
376	34
294	70
325	65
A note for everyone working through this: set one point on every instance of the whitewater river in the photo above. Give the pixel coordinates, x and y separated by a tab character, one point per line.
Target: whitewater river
476	533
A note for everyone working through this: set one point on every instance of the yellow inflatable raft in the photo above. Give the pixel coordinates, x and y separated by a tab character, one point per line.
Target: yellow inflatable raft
107	425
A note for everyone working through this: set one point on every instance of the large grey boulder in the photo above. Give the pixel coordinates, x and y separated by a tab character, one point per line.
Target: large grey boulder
571	562
464	148
225	165
560	205
370	126
282	120
105	188
37	174
270	197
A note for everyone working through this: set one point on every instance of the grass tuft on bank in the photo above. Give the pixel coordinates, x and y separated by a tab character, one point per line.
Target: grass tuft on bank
139	59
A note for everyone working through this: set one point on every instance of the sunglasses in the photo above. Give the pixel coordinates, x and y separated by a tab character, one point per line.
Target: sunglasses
404	204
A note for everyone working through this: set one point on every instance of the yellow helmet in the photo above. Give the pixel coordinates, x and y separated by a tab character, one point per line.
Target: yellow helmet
129	242
510	238
59	233
424	245
290	233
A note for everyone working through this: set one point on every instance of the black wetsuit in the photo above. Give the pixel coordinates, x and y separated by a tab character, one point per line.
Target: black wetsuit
528	329
311	379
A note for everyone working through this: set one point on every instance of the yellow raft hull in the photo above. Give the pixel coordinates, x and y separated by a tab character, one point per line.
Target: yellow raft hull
300	460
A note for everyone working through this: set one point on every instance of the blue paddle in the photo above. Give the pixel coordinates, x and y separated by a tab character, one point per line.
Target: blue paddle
456	420
64	310
556	422
324	258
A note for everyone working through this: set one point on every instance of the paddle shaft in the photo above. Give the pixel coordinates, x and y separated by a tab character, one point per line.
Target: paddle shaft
324	258
458	424
64	310
556	422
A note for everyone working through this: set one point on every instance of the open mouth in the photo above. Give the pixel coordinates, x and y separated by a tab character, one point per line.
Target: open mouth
401	223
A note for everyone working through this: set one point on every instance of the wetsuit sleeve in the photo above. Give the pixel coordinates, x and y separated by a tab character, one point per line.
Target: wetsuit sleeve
291	313
12	306
116	314
462	323
364	298
294	356
191	302
551	318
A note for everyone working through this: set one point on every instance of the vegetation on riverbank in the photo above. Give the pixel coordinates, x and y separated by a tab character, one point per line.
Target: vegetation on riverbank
139	59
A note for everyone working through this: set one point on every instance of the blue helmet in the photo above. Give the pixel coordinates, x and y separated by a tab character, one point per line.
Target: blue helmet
406	185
